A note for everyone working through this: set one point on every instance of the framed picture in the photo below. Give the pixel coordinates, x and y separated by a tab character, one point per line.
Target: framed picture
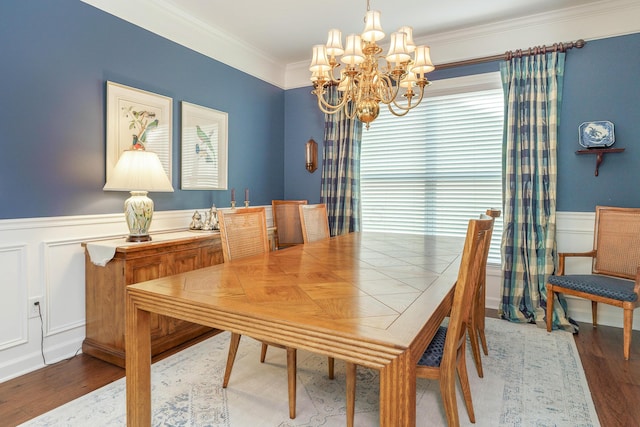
204	148
138	118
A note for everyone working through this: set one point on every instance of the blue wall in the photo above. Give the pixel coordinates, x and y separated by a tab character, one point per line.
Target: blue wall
56	58
601	83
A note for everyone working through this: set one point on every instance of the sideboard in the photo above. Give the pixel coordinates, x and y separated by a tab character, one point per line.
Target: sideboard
111	265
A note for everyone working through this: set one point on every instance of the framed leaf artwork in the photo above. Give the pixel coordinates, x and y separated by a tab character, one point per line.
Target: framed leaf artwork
204	148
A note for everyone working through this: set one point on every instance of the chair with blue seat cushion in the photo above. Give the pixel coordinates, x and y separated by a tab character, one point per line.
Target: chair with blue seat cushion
445	354
615	272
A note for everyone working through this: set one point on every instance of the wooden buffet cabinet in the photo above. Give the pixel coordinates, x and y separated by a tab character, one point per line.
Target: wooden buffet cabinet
166	254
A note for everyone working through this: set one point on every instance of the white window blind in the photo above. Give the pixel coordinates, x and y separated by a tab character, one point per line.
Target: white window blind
441	164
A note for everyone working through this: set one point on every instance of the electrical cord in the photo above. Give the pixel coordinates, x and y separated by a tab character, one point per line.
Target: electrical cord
37	304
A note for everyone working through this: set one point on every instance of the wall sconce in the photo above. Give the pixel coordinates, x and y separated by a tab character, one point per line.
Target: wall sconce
139	172
311	155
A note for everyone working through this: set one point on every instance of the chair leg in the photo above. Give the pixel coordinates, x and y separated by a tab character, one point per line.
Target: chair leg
550	298
331	362
291	376
448	393
594	313
627	330
233	349
263	352
480	320
475	348
464	384
351	393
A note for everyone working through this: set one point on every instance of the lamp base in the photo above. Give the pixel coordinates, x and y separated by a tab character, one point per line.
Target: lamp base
146	238
138	211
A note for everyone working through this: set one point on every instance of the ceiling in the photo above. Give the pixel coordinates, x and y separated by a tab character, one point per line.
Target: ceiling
285	30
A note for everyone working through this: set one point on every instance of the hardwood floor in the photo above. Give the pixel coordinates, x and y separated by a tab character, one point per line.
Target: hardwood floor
614	382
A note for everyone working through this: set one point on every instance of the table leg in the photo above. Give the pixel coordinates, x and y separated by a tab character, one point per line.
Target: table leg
398	392
138	365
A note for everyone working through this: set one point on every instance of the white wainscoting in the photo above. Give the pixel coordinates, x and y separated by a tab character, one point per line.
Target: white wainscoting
42	258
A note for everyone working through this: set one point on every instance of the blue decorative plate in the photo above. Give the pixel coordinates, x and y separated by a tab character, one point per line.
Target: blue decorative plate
596	134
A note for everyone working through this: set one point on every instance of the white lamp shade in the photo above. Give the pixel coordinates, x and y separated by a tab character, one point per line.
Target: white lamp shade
353	52
422	63
334	43
372	27
411	46
398	49
138	170
319	60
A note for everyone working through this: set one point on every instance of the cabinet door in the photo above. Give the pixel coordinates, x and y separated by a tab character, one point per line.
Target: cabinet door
148	268
182	261
212	254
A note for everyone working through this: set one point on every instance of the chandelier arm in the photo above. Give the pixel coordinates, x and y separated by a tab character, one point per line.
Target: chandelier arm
326	106
409	106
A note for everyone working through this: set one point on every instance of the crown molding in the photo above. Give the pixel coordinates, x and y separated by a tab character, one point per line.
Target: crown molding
602	19
593	21
164	19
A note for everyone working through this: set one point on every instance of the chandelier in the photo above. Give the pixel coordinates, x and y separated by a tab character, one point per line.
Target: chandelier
369	78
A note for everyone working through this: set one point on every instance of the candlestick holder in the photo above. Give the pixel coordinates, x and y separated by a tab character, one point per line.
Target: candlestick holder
246	203
233	204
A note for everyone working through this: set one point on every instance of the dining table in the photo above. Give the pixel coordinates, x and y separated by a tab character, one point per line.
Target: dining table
369	298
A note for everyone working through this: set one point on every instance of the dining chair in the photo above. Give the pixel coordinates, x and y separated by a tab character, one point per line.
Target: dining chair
286	218
315	226
315	222
475	327
445	354
243	233
615	269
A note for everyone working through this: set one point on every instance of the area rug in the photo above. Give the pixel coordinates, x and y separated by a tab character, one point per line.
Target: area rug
531	378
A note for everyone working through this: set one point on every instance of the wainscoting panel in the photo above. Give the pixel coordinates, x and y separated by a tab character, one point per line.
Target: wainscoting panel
13	298
63	267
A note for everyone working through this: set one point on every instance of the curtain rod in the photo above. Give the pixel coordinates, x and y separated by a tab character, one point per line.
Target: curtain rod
557	47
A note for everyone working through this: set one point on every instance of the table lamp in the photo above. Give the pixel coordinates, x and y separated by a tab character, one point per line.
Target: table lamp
138	171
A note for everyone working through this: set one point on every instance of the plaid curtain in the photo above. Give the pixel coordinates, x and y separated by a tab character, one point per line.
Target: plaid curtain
340	189
533	95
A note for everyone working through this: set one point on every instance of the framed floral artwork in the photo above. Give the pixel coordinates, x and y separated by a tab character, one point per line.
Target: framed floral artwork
138	119
204	148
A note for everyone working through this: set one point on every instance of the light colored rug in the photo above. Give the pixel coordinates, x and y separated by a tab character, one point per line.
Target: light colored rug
531	378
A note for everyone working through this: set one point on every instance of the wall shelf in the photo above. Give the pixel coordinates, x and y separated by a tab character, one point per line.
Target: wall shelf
600	152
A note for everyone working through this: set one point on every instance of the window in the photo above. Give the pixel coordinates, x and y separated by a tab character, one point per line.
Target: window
431	170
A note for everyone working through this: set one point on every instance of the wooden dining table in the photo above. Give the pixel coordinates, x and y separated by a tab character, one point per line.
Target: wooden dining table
373	299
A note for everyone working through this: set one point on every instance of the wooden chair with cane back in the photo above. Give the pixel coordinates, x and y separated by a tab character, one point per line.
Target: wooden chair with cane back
615	269
315	222
476	323
445	354
286	218
244	233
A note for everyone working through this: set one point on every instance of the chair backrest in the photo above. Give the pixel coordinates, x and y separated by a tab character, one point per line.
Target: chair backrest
243	233
315	222
478	237
617	242
286	218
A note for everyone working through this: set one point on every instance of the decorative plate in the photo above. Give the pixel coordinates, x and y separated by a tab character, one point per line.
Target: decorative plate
596	134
